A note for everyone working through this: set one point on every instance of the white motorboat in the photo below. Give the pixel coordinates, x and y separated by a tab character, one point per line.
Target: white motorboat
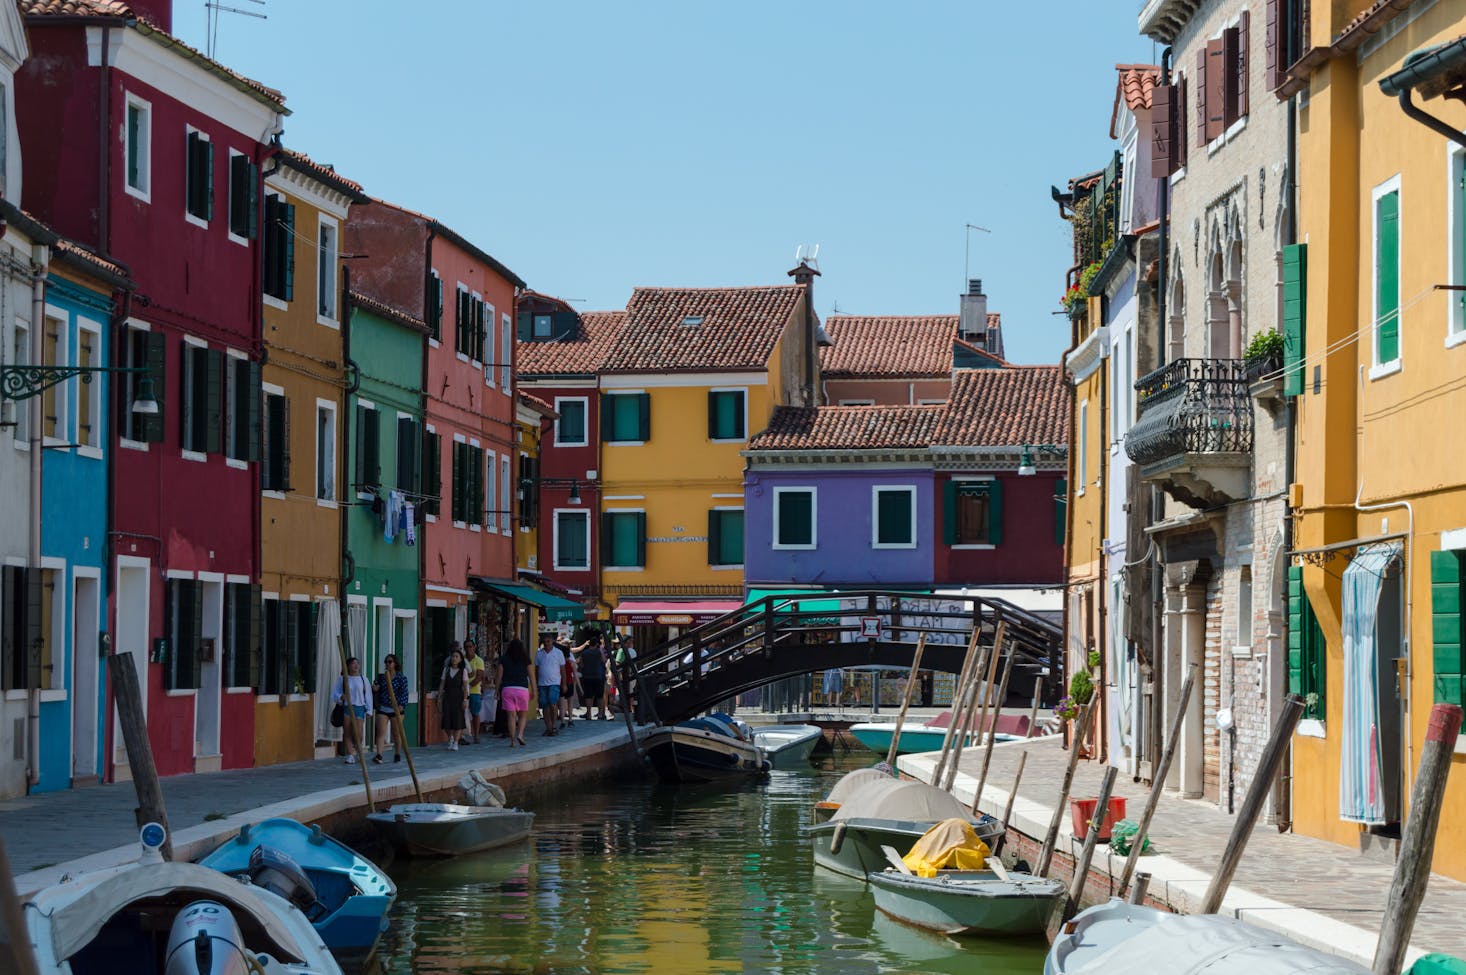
788	746
446	829
713	748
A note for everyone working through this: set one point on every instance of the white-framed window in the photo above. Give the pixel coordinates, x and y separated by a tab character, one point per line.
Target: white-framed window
241	412
1082	461
198	397
1456	244
54	426
199	178
20	354
893	516
138	148
572	539
505	485
491	490
795	518
506	353
326	451
727	415
571	427
89	395
1385	280
327	240
486	339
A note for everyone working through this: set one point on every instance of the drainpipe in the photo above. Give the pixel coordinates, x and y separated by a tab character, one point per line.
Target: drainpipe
1101	641
40	258
119	320
1165	220
1429	121
344	505
1283	793
104	149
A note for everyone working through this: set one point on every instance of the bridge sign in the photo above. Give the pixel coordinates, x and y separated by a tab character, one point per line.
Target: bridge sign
870	627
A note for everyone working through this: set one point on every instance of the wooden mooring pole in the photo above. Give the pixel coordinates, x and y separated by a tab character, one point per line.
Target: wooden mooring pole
1046	853
992	730
140	765
1137	842
958	691
1142	886
1412	869
1091	839
911	683
1262	782
990	667
351	731
1017	778
15	944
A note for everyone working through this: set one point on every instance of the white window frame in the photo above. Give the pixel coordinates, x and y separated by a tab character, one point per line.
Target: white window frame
229	217
269	299
1456	222
332	317
334	492
407	657
555	541
92	390
491	491
606	543
490	345
367	405
733	389
231	357
814	521
506	354
584	402
505	496
145	139
269	389
63	438
23	412
875	523
1377	369
187	214
186	376
973	546
1082	462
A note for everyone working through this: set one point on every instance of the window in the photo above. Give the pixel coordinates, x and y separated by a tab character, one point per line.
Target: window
435	307
139	148
626	417
570	428
471	325
199	181
89	395
1295	313
1448	624
141	349
543	326
275	459
185	634
21	355
1061	510
1387	274
1168	128
326	271
623	533
325	451
1082	461
1244	606
468	484
409	456
528	507
1287	35
572	540
725	536
794	517
506	353
244	196
278	246
53	399
241	634
367	469
857	402
491	492
243	434
203	399
505	496
486	341
432	470
289	647
726	414
972	512
1221	81
1307	650
20	628
893	517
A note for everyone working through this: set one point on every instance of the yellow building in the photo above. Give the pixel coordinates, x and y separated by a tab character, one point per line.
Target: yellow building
1377	368
302	419
693	374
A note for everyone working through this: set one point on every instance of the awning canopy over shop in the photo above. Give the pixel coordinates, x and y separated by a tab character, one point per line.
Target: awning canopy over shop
552	607
634	612
829	609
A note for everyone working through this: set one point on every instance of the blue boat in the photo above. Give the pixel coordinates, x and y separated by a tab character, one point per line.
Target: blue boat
345	895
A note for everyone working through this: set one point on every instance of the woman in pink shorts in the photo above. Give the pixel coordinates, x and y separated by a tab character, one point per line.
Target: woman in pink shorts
513	684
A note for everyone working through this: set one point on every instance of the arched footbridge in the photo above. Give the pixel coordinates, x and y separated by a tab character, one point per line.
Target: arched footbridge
787	635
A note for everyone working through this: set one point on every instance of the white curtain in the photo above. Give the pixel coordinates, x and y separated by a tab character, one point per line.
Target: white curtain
1361	793
328	665
460	622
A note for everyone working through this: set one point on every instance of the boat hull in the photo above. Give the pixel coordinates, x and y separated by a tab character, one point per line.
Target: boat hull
443	829
968	902
685	755
860	850
877	737
788	746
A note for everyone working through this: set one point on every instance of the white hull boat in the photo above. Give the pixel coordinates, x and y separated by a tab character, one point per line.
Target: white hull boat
788	746
969	901
446	829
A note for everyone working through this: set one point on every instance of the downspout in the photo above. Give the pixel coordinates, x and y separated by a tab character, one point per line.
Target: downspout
40	258
1072	462
344	506
1102	643
1157	592
1283	793
424	666
1165	220
1426	119
119	321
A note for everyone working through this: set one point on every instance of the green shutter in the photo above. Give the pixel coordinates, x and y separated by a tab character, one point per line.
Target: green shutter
1061	510
208	168
643	417
995	512
796	518
714	401
252	412
1295	313
151	427
893	517
134	117
732	537
949	513
1307	647
608	539
287	260
213	415
715	538
455	507
374	447
1295	629
1448	625
1387	278
640	529
252	200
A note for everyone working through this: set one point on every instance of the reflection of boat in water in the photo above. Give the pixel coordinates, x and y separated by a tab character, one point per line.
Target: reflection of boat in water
788	746
940	953
969	901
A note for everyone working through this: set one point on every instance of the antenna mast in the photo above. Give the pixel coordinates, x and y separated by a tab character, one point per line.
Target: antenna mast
967	253
214	8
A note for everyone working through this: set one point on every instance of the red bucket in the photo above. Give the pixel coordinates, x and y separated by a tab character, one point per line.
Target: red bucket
1081	811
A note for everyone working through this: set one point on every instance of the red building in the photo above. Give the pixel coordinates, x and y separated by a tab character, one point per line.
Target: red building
151	153
560	354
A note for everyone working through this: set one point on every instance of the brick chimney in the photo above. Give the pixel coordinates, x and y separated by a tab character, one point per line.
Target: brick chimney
159	13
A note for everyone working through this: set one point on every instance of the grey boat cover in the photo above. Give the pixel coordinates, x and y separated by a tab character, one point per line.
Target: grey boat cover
910	801
852	782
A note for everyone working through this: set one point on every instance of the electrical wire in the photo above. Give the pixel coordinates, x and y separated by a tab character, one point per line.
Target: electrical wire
1345	340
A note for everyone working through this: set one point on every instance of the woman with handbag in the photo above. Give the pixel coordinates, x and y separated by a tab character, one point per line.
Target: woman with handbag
389	694
350	695
453	698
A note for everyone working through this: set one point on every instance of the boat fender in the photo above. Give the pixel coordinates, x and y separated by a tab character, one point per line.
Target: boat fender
205	940
838	840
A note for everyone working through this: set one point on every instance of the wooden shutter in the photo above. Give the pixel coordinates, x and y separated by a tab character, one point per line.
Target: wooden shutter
1201	92
12	626
191	417
455	503
193	178
1242	65
995	512
195	633
208	171
1219	82
1061	510
609	553
287	259
1162	132
1295	305
213	415
608	417
256	651
1448	633
713	415
252	411
482	500
1272	42
949	512
1295	629
715	538
1179	140
151	427
271	276
252	200
407	455
237	201
373	467
643	417
1387	278
432	475
284	444
640	520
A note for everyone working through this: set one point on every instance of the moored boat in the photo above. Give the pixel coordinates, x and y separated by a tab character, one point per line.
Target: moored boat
352	895
918	738
712	748
788	746
448	829
968	901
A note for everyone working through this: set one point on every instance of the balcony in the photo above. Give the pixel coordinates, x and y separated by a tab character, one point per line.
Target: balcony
1193	430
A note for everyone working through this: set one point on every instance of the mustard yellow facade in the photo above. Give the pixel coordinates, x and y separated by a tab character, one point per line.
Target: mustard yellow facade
1381	392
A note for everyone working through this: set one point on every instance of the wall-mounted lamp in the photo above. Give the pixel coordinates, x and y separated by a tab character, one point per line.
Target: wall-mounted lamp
1026	465
23	382
527	483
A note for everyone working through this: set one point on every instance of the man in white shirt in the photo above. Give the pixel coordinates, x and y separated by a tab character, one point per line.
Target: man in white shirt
549	665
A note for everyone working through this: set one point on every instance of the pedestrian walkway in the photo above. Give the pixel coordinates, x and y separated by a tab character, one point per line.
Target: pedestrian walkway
51	833
1319	893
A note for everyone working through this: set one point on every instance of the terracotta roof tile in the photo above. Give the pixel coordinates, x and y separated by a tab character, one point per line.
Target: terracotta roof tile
1136	84
848	427
889	346
321	171
738	328
1006	408
536	404
581	355
86	255
384	310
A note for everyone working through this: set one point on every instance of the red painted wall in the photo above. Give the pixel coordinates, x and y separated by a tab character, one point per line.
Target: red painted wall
1030	552
564	464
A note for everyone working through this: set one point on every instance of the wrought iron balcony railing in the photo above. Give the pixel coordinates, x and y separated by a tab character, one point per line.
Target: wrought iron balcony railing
1191	406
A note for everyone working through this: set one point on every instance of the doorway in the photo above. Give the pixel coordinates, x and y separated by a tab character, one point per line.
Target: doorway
133	613
1389	653
86	632
209	702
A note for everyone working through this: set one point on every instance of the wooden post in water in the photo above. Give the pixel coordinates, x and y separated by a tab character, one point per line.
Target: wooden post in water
350	729
911	683
15	944
1038	690
128	696
1046	853
1017	777
1137	842
958	690
1412	869
1267	771
1091	839
992	730
969	711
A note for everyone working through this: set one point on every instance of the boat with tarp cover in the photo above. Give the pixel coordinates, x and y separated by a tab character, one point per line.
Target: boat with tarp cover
713	748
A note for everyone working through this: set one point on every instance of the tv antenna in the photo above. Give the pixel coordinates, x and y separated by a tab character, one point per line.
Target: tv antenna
967	253
808	255
214	8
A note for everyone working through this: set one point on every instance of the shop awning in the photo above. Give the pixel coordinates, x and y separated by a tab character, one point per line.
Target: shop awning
635	612
829	609
554	608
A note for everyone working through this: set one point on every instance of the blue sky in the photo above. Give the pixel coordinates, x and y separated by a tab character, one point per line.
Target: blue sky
597	146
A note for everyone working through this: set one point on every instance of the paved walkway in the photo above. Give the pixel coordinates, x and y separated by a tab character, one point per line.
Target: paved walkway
94	827
1320	893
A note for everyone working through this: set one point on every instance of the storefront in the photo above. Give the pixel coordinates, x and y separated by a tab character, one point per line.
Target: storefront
652	623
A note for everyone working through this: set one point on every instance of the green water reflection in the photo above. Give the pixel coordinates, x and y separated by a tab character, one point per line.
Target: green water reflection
624	876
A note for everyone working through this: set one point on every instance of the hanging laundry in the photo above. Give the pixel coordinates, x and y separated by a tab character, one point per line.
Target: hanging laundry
395	501
409	524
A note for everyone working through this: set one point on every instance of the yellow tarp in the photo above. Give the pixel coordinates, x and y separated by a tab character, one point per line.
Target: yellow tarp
950	845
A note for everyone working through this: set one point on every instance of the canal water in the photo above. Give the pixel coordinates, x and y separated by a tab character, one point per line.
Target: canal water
625	876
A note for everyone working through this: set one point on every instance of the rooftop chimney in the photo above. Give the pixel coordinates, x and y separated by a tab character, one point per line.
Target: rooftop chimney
805	273
973	322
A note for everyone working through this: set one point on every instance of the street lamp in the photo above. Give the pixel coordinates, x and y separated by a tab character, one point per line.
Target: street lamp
1026	465
527	483
24	382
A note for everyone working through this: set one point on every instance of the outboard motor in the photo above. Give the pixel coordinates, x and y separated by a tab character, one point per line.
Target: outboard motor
205	940
277	872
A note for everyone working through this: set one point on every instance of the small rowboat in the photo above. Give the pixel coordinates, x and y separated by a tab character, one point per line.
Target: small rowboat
445	829
969	901
788	746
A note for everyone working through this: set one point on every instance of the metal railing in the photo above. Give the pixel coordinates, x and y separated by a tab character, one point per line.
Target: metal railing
1191	406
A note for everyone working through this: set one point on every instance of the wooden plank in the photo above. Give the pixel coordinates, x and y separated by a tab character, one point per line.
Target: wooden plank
992	733
894	859
1013	794
129	699
958	690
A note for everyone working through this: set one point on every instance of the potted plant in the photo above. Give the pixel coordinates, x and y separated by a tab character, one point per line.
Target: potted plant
1263	355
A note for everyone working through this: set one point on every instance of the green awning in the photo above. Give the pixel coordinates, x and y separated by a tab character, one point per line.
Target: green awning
822	606
554	608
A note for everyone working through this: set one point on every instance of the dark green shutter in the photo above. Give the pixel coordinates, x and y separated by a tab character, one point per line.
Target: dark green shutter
256	606
949	512
237	166
213	401
252	411
287	259
151	427
796	518
1061	510
284	444
432	475
1295	305
195	632
995	512
481	504
713	403
373	468
643	417
459	484
640	520
134	117
308	646
208	170
715	538
35	578
270	250
252	201
1448	625
1387	278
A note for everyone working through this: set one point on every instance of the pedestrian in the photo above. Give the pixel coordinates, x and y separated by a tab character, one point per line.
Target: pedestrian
549	664
625	659
389	697
452	698
475	666
569	686
513	680
593	676
350	691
